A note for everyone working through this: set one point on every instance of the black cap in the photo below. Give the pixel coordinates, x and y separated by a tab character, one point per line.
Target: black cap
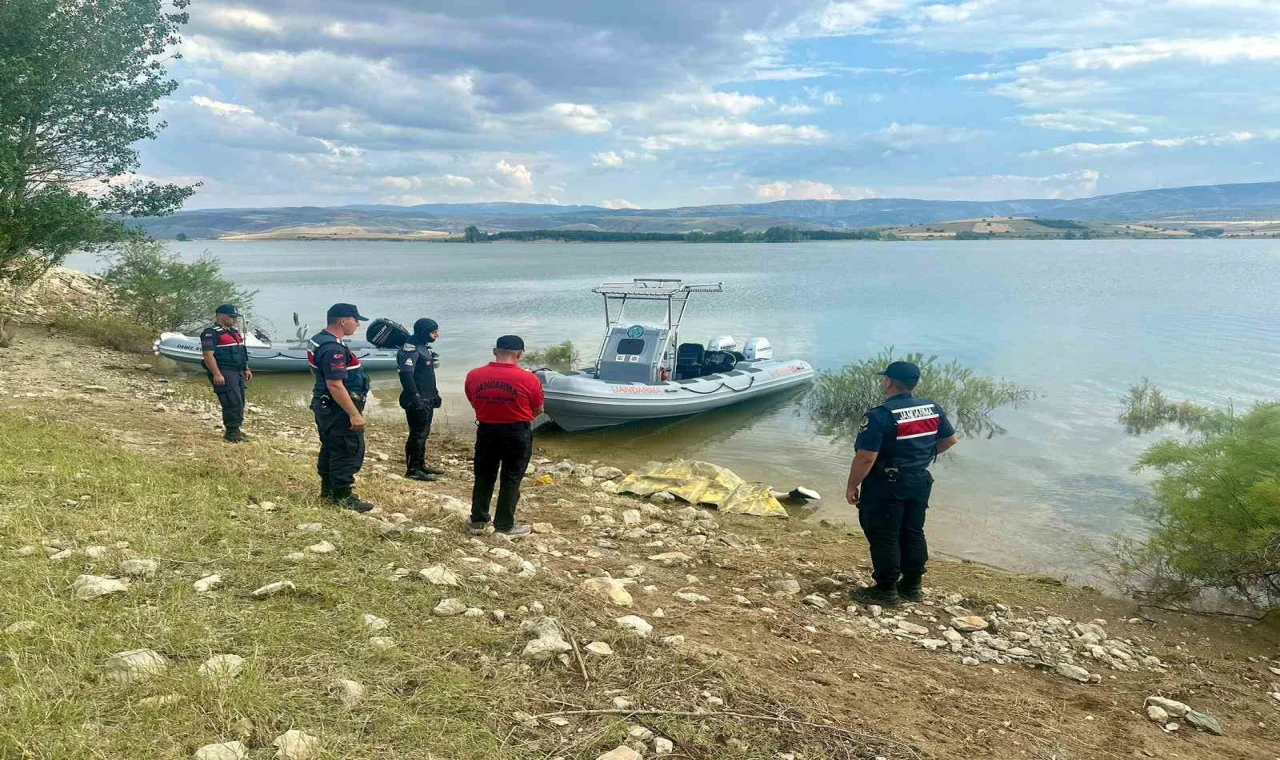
905	373
424	327
340	310
229	310
510	343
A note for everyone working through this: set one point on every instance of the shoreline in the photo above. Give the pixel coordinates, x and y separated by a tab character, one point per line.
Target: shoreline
733	589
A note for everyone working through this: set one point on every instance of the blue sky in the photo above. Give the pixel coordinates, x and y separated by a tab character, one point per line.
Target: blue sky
689	102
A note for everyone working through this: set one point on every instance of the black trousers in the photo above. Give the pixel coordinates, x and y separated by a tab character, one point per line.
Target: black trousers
892	518
502	452
341	448
415	448
231	396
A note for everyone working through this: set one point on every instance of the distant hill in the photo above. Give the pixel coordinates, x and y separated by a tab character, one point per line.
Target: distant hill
1210	202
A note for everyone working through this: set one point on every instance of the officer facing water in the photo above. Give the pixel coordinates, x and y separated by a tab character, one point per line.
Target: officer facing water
507	400
338	402
420	397
890	483
227	361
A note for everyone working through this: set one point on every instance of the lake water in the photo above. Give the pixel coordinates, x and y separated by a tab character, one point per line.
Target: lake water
1077	322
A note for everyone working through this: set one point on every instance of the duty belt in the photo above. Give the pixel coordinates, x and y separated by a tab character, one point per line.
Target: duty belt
892	474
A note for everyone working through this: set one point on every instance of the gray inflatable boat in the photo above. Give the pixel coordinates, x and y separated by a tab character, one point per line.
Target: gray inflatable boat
264	356
644	372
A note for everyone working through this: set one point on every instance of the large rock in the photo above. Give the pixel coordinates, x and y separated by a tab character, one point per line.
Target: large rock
1174	708
599	648
224	751
350	693
1074	672
1203	722
222	667
635	624
207	584
691	597
86	587
969	623
548	642
139	568
272	589
449	608
374	623
788	586
295	745
611	590
620	753
134	665
438	575
669	559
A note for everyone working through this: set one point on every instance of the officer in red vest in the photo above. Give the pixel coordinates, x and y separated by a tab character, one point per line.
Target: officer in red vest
227	362
890	483
507	400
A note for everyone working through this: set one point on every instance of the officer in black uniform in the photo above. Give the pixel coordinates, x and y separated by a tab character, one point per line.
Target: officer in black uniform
890	483
420	397
226	360
338	402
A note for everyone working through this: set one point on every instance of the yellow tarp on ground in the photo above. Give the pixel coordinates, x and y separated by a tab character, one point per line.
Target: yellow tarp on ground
704	483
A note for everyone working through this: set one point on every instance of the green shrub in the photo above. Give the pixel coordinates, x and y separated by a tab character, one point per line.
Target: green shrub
562	357
1214	508
162	292
840	398
107	329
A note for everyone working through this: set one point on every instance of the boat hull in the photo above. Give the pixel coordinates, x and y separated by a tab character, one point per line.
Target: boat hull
578	402
186	349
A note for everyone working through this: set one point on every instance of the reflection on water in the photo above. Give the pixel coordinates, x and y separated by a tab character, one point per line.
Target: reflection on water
1076	322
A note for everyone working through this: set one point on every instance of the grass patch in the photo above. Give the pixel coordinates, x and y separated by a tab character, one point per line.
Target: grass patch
194	518
107	330
562	357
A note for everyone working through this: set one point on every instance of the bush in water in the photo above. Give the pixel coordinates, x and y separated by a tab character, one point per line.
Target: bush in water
162	292
1215	504
562	357
841	397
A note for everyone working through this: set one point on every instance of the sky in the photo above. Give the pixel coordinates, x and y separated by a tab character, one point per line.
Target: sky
663	103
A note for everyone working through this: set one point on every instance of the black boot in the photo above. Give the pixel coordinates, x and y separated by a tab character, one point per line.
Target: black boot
885	596
424	475
432	470
233	435
343	497
911	589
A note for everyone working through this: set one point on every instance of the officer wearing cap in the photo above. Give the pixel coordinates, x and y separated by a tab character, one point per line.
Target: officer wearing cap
507	400
227	362
420	398
338	402
890	483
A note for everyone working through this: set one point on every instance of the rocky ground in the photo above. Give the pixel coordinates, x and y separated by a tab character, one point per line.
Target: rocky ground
60	290
163	594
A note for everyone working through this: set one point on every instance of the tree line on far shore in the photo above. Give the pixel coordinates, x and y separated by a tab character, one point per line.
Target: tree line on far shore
474	234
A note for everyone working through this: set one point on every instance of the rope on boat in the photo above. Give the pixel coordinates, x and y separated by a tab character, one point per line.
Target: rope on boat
720	387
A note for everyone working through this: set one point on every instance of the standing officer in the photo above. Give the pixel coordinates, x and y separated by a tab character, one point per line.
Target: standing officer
338	401
507	400
227	362
416	363
897	441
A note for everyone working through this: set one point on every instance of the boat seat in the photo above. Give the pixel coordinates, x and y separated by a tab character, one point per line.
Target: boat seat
689	358
718	361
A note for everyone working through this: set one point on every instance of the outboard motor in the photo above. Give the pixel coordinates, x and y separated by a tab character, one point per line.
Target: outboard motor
758	349
726	343
385	333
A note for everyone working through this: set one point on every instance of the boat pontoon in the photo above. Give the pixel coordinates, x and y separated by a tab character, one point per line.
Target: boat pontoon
265	356
644	372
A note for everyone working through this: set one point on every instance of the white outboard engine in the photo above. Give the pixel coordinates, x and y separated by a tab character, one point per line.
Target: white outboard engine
758	349
726	343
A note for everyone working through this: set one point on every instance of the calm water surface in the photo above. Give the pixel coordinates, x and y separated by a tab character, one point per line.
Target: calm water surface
1077	322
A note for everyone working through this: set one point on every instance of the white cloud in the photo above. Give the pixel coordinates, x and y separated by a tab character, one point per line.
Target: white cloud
617	203
1088	148
515	175
581	118
798	109
1213	52
1086	121
607	160
715	134
807	191
220	108
858	16
231	18
729	102
911	136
